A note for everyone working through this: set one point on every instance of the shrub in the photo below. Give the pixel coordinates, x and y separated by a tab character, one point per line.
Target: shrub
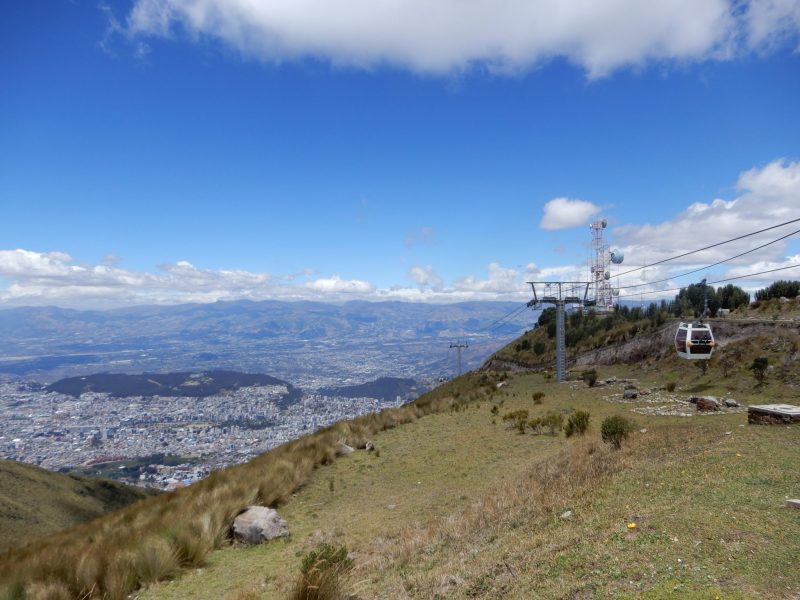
539	348
577	423
537	397
759	368
615	429
590	377
553	421
495	410
671	385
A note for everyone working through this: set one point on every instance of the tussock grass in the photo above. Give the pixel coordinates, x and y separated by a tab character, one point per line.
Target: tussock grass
153	539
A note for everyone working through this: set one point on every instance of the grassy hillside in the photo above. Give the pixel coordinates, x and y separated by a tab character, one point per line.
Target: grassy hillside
35	502
459	505
455	503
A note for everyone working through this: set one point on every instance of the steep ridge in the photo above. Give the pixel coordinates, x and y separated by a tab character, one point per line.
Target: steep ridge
35	502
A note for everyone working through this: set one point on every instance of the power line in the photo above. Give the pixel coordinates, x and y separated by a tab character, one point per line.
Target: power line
783	237
516	312
712	282
741	237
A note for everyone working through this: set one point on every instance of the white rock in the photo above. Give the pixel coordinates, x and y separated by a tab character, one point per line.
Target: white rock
259	524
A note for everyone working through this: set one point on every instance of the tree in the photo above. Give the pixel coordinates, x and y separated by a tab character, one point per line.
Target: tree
732	297
615	429
780	289
759	368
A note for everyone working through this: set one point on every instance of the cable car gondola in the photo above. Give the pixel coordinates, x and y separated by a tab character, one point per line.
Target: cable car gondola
695	341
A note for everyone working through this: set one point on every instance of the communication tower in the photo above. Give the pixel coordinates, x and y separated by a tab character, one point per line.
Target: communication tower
599	269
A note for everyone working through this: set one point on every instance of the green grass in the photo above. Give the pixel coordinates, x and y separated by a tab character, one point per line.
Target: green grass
709	523
35	502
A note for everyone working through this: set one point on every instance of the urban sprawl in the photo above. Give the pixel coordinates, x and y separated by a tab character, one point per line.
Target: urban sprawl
60	432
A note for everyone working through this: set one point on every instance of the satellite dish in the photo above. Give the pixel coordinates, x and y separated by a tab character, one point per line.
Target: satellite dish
607	275
604	223
617	256
616	292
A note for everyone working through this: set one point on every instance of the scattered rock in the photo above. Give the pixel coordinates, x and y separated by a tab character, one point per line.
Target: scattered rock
630	394
369	447
392	506
791	503
643	430
259	524
731	403
611	380
645	392
343	448
566	515
706	403
502	384
630	386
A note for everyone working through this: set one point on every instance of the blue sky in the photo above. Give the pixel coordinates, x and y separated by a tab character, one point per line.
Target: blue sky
151	153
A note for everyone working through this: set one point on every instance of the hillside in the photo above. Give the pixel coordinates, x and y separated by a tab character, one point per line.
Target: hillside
455	503
199	385
35	502
383	388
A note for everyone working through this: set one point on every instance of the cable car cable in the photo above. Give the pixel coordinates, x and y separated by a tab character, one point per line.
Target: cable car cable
741	237
625	287
711	282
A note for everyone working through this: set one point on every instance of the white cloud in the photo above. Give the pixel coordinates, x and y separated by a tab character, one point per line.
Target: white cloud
563	213
767	196
426	277
337	285
445	36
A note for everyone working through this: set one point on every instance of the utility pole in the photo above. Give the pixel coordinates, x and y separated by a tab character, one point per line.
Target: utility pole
458	346
560	293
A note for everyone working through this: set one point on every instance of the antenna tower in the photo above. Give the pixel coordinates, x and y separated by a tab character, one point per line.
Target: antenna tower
600	273
459	346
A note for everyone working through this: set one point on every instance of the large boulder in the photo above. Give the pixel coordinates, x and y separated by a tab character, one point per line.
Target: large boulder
630	394
259	524
705	403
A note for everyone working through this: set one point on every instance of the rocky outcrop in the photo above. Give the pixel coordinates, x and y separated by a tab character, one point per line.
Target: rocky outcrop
258	524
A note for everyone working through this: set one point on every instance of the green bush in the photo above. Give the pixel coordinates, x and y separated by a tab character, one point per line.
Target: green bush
577	423
554	422
671	386
321	574
539	348
759	368
615	429
537	397
590	377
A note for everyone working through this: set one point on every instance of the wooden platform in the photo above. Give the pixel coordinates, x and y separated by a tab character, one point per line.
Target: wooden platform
773	414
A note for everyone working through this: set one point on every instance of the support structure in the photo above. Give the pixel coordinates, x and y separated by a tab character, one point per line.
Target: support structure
600	274
459	346
560	293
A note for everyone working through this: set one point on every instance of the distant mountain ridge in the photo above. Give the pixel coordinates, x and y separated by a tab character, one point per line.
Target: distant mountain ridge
202	384
383	388
311	344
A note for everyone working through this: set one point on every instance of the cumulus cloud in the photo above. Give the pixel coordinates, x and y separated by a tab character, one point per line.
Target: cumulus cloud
54	278
451	35
563	213
767	195
426	277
